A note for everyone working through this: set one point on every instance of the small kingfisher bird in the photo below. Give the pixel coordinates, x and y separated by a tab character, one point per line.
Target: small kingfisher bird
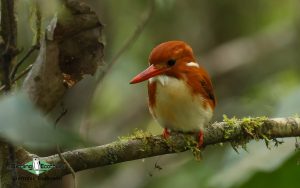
181	96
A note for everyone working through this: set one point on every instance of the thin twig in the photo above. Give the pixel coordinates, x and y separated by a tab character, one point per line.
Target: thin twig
38	27
23	73
63	113
130	41
15	69
67	164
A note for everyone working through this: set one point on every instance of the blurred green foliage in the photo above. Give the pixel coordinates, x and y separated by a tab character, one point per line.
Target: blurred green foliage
24	125
287	175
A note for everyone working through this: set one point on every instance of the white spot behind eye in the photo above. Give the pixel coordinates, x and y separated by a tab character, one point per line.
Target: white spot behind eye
192	64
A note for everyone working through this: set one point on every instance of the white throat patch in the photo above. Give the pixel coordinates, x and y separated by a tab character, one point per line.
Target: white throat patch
192	64
162	79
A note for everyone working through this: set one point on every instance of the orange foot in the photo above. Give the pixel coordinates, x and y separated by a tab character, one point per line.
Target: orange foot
166	133
200	141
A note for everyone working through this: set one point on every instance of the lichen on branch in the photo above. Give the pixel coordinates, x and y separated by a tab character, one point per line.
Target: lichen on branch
250	129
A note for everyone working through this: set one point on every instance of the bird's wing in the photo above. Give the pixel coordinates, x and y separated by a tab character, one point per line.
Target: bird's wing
207	86
201	83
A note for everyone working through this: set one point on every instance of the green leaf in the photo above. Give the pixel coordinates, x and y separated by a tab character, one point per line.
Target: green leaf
22	124
287	175
239	168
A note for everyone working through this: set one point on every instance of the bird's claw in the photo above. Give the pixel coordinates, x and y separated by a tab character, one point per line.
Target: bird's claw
166	133
200	140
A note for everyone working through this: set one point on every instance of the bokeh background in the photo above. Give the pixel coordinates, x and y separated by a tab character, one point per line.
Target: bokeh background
250	48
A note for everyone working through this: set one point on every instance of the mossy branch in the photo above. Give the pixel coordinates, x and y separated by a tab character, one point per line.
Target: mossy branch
144	145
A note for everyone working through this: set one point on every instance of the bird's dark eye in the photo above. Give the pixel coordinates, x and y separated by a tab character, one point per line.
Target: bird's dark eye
171	62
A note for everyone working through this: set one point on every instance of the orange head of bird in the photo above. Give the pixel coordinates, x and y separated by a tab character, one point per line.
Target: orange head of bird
168	58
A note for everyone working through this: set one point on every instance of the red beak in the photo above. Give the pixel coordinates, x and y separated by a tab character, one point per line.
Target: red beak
146	74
